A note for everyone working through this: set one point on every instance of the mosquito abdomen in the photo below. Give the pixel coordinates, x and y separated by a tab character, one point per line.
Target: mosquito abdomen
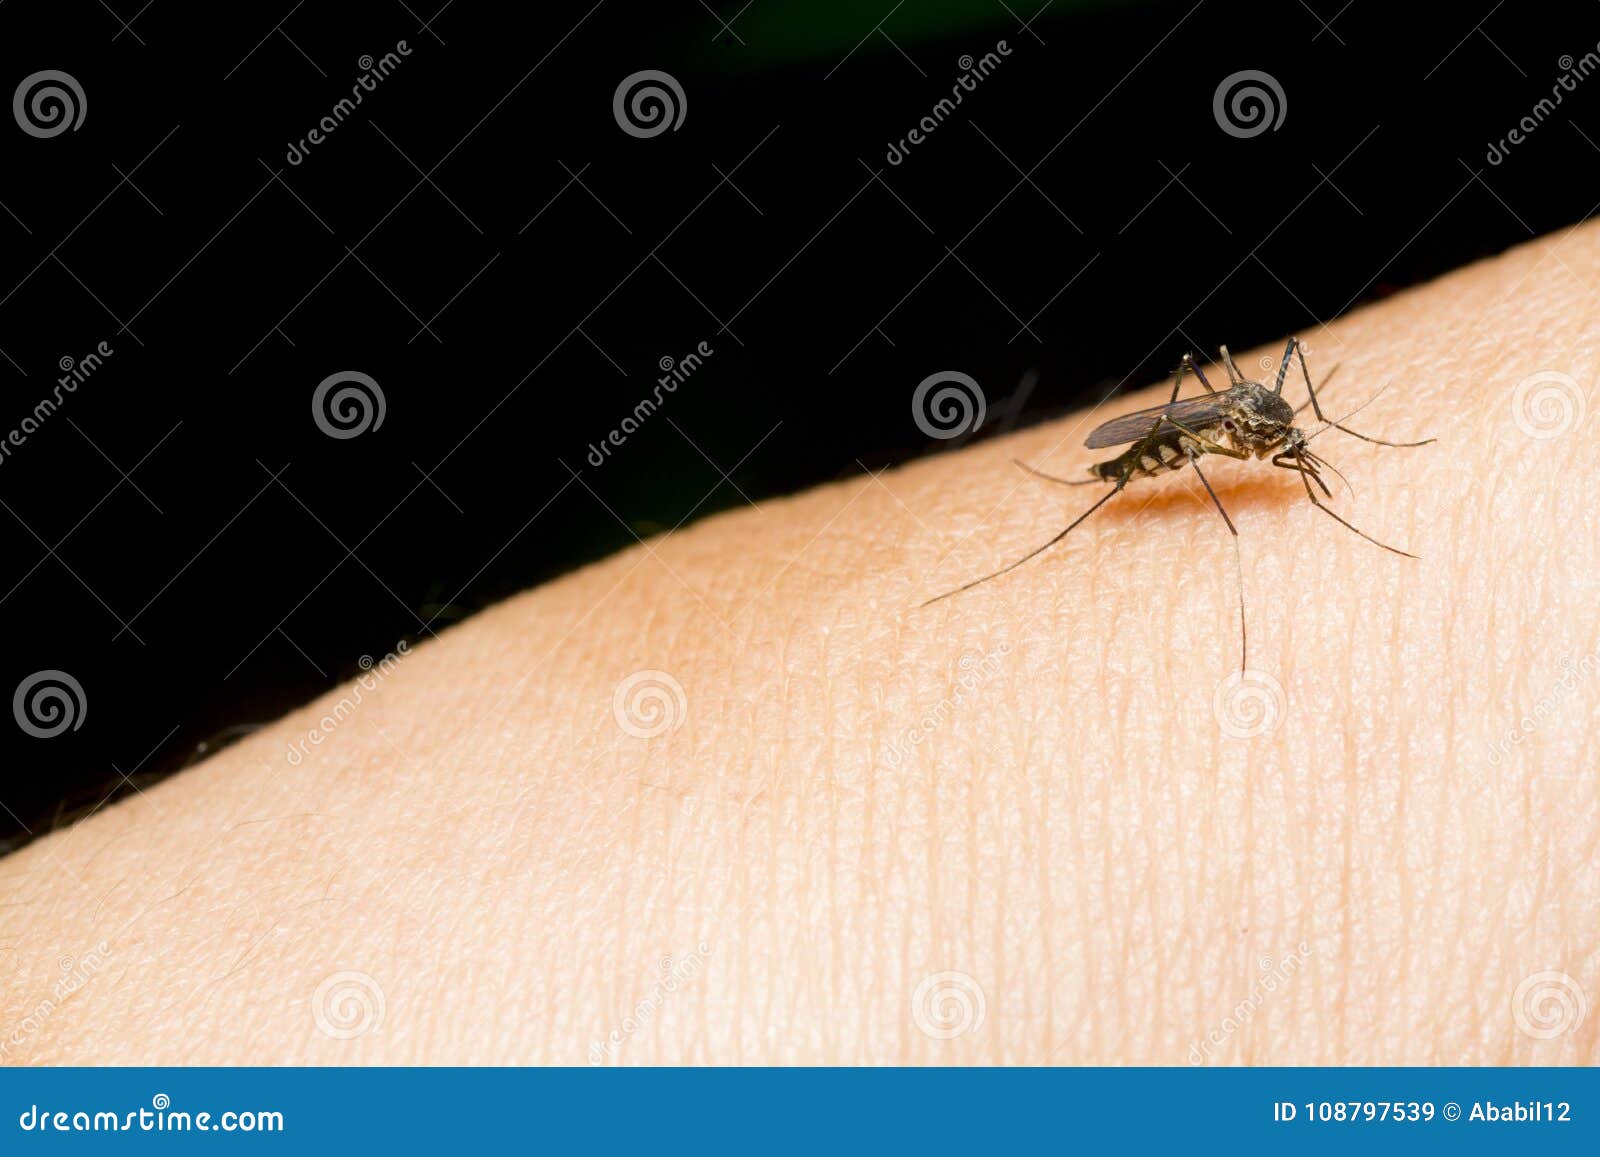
1147	460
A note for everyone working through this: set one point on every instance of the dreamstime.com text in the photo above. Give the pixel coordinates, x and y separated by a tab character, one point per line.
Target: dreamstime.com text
160	1117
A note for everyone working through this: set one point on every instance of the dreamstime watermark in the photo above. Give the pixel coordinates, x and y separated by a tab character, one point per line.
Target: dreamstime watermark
75	973
48	703
649	103
1273	976
975	672
973	72
161	1117
1248	103
74	372
948	404
1548	404
348	404
347	1005
1549	1004
1574	671
649	703
947	1005
674	975
1249	703
373	673
673	375
1572	71
48	104
372	72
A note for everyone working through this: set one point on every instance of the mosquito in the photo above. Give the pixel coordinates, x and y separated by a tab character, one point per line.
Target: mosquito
1247	420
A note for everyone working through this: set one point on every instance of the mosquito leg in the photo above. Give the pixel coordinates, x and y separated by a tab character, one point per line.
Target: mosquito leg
1052	478
1312	494
1238	562
1288	352
1310	390
1038	550
1194	368
1317	408
1313	459
1234	376
1326	378
1184	366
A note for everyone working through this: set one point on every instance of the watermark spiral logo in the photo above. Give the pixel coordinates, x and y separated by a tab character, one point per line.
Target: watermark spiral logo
947	1005
348	404
1548	1004
1548	404
948	404
347	1005
161	1102
48	703
48	104
1249	703
649	703
1248	103
648	103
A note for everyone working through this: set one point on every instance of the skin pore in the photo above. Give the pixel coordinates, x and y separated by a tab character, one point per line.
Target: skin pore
1024	814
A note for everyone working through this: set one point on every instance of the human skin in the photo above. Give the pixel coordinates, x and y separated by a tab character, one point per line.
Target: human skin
774	875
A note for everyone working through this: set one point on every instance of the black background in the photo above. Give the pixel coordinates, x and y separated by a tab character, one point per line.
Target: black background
485	188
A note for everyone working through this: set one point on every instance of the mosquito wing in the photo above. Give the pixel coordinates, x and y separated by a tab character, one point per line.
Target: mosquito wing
1194	413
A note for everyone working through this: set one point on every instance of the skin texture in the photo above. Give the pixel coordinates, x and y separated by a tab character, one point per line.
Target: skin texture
1029	784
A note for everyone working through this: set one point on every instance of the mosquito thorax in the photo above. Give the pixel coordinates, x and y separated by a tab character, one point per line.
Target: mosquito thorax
1261	418
1268	408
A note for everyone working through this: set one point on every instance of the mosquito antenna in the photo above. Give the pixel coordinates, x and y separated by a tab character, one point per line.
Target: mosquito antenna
1032	553
1051	477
